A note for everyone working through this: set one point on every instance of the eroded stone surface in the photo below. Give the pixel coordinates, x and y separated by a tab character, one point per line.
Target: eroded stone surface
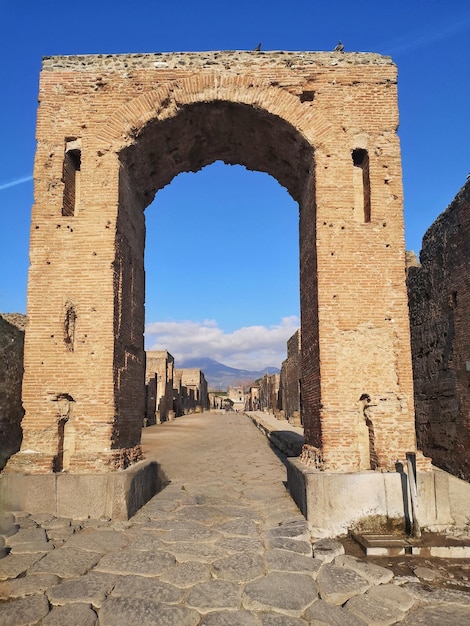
293	545
186	574
23	611
327	550
375	574
89	589
320	613
374	612
229	618
15	564
284	592
216	595
27	585
337	584
126	611
240	567
439	616
71	615
241	544
67	562
285	561
434	595
142	587
98	540
130	562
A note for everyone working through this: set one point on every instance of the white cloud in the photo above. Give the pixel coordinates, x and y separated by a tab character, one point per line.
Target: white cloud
251	347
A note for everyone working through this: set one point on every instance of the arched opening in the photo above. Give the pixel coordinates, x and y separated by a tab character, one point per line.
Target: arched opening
221	245
198	135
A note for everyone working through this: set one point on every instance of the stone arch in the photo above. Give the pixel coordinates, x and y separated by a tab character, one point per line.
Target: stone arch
164	102
355	332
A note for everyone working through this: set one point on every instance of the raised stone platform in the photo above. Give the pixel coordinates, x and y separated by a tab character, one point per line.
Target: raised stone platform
338	503
115	495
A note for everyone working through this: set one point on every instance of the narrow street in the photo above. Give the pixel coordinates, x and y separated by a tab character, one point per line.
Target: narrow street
222	544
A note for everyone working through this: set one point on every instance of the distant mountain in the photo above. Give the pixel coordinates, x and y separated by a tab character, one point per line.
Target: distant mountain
220	376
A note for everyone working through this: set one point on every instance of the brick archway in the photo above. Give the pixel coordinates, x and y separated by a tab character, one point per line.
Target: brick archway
324	125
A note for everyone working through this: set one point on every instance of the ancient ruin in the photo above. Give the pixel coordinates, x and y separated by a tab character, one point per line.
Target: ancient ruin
114	129
439	297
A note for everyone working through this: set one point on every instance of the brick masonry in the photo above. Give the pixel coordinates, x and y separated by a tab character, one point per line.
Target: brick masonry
439	295
114	129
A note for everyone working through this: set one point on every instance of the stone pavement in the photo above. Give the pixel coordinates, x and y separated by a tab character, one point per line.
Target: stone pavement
222	545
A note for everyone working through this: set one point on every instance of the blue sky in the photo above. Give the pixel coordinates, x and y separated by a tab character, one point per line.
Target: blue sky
231	290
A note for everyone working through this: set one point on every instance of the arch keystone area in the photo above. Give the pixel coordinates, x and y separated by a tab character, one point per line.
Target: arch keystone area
112	131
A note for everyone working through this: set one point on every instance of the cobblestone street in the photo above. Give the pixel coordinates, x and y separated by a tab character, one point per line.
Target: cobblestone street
222	545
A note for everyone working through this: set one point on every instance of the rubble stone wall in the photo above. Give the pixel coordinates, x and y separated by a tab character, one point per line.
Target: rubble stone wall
11	376
439	297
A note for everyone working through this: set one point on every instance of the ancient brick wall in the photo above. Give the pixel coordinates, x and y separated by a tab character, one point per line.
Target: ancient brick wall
12	327
290	387
159	381
439	296
114	129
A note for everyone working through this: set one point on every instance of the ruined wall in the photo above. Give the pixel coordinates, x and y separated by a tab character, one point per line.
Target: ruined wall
439	299
12	327
290	391
159	380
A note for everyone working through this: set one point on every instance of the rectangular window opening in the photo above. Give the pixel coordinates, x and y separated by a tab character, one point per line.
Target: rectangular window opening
71	178
361	182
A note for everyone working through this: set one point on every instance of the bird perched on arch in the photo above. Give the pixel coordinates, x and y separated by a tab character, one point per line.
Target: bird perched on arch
258	48
339	47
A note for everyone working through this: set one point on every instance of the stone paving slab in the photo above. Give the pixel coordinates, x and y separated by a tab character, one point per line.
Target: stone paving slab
327	549
66	562
241	544
101	541
27	535
439	616
223	544
154	589
32	547
337	584
27	585
242	527
374	612
184	575
14	565
130	611
71	615
287	593
202	552
215	595
143	540
240	567
229	618
24	611
131	562
277	619
92	589
433	595
321	613
292	545
375	574
285	561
